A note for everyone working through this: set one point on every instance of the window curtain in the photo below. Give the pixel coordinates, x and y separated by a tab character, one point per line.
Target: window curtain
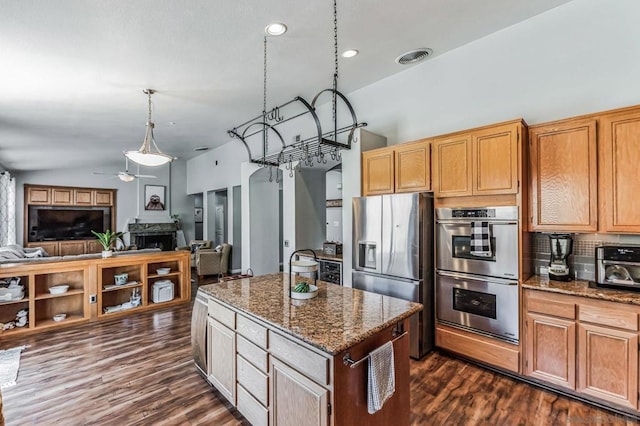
7	209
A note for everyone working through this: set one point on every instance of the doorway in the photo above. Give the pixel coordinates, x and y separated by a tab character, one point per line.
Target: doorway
217	218
265	217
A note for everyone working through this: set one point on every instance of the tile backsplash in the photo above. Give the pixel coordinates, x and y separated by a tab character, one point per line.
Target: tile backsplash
582	261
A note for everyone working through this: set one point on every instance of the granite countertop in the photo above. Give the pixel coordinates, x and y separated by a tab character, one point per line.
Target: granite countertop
581	288
337	319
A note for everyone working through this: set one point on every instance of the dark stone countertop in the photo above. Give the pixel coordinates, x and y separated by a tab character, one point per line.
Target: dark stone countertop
337	319
581	288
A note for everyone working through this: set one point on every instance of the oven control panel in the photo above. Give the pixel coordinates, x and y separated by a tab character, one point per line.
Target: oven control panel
473	213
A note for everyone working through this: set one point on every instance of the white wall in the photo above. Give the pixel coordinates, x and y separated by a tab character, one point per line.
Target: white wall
333	180
310	212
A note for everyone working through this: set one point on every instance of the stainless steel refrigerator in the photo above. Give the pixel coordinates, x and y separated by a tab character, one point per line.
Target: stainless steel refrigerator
393	255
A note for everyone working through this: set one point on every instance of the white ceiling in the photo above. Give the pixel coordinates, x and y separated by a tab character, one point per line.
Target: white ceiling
72	71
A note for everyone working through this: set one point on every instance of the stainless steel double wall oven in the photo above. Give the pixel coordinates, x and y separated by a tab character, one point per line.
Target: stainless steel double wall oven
478	291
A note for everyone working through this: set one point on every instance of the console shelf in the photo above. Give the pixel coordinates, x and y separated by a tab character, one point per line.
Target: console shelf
87	296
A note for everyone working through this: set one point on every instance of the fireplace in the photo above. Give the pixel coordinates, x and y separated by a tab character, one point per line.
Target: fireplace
153	235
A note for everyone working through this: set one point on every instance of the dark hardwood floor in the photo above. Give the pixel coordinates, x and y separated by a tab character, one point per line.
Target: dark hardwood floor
139	371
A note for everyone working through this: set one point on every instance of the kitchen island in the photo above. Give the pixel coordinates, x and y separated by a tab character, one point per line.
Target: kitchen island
281	361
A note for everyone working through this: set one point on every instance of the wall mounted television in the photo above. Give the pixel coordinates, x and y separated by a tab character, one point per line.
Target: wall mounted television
53	223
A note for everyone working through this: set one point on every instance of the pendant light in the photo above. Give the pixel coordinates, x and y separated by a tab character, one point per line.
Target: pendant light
144	156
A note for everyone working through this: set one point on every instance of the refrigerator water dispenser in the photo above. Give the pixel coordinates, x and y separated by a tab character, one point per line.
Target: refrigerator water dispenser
367	255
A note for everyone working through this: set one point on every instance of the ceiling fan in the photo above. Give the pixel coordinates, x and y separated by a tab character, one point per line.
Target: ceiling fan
126	176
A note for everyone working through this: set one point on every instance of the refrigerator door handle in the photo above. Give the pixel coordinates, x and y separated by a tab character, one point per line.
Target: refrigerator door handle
460	277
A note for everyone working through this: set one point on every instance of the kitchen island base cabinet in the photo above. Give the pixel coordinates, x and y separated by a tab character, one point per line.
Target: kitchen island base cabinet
297	400
276	376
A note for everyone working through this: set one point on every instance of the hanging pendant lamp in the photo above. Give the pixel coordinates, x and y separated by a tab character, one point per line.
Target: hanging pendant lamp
144	156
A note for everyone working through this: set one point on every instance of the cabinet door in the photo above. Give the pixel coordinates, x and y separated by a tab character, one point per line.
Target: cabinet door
608	364
83	197
452	167
377	172
620	179
551	350
103	198
222	359
563	177
39	196
413	167
495	160
93	246
68	248
62	196
51	247
296	400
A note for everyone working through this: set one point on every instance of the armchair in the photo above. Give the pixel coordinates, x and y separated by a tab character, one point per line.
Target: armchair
194	246
212	262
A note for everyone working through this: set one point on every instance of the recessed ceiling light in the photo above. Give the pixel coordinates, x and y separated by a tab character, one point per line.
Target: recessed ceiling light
350	53
201	148
413	56
275	29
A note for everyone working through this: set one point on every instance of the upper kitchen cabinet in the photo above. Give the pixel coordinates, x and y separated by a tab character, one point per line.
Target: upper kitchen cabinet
452	166
413	167
619	135
563	176
484	161
399	168
377	171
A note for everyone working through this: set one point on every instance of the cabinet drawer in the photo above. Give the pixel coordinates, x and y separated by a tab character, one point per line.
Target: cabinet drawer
252	331
251	409
604	315
223	314
252	353
302	359
252	380
551	307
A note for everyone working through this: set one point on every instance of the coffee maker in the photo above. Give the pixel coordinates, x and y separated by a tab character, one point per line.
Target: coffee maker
561	246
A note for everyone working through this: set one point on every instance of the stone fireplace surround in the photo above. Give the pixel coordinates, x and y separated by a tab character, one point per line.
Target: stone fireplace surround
153	235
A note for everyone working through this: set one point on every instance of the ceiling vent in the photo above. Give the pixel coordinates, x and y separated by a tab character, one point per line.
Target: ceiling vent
413	56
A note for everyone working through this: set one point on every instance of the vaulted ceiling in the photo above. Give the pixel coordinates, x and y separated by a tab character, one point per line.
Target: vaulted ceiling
72	71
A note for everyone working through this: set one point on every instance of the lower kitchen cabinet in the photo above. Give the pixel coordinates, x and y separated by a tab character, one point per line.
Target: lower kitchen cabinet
608	361
222	359
296	400
551	349
583	344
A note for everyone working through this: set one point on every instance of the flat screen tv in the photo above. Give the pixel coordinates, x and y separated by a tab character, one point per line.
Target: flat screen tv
48	223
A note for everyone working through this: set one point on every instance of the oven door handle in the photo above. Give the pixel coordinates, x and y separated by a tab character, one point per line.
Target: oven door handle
468	222
461	277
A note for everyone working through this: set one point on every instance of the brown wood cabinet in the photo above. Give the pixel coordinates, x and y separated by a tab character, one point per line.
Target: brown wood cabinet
377	171
484	161
608	364
400	168
91	288
583	344
62	196
563	176
619	171
57	196
413	167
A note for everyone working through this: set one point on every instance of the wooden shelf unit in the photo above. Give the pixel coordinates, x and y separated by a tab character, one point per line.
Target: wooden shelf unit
86	279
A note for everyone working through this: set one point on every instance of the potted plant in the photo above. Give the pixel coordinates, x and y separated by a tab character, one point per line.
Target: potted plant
108	240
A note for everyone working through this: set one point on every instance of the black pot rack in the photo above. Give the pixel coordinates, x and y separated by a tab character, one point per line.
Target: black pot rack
314	148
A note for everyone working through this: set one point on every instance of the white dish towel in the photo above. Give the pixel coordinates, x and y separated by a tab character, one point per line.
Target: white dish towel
382	377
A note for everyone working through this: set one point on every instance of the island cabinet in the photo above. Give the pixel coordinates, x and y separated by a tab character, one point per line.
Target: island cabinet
563	176
484	161
263	357
400	168
586	345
